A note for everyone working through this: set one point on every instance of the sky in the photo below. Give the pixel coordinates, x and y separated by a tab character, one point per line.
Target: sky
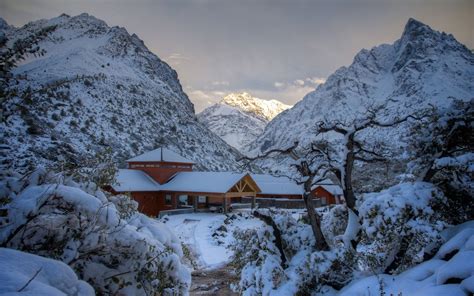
280	49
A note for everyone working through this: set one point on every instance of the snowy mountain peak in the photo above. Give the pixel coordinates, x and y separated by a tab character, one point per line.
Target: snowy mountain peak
265	109
240	118
414	25
3	23
424	67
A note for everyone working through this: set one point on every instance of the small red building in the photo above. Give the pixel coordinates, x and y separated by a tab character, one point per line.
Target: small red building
328	192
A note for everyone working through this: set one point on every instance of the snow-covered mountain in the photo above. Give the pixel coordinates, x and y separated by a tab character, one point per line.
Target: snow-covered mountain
99	86
240	118
265	109
423	67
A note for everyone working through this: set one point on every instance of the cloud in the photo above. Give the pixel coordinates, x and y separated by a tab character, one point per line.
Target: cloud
278	84
220	83
175	59
316	80
299	82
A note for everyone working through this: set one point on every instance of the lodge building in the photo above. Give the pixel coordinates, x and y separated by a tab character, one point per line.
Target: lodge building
162	180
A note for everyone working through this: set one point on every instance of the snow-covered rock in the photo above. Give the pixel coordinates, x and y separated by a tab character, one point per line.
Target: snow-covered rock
423	67
240	118
27	274
98	86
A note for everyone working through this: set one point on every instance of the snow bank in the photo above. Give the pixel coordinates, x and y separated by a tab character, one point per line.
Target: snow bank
443	275
52	277
130	256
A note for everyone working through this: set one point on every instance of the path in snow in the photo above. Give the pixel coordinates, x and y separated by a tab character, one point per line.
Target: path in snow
208	253
213	282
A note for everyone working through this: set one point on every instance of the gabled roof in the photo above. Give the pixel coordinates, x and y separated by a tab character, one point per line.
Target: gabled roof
160	154
134	180
277	185
212	182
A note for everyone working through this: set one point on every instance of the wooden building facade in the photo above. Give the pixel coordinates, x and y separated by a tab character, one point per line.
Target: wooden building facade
162	180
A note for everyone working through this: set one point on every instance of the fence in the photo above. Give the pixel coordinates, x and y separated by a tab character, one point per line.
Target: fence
283	203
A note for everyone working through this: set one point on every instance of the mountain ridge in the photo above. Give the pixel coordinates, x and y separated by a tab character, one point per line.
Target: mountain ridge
423	67
98	86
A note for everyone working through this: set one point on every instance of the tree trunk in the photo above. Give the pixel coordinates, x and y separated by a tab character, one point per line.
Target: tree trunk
321	244
347	182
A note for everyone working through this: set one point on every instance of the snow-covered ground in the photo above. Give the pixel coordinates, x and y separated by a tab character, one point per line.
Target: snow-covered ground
208	235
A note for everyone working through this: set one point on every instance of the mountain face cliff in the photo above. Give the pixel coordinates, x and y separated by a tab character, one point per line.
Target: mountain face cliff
97	86
423	67
240	118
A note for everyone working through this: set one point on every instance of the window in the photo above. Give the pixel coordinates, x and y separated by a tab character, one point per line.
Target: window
183	199
202	199
168	199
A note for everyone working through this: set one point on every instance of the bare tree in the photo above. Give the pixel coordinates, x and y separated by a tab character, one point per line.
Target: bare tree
308	175
353	147
321	159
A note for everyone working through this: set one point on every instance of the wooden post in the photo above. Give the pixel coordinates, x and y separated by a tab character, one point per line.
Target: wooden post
195	202
253	201
174	201
225	204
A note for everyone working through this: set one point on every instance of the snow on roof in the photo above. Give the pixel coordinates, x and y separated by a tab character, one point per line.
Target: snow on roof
329	186
160	154
212	182
277	185
134	180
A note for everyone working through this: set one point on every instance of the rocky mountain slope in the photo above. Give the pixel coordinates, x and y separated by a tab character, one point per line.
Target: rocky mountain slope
240	118
423	67
98	86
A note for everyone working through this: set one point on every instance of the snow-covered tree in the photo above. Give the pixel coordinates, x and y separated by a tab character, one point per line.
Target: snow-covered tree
443	154
76	223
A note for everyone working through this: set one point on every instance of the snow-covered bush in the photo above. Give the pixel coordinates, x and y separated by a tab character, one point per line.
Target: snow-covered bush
295	236
258	260
449	272
76	224
455	176
399	226
126	206
442	153
333	223
26	273
304	272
